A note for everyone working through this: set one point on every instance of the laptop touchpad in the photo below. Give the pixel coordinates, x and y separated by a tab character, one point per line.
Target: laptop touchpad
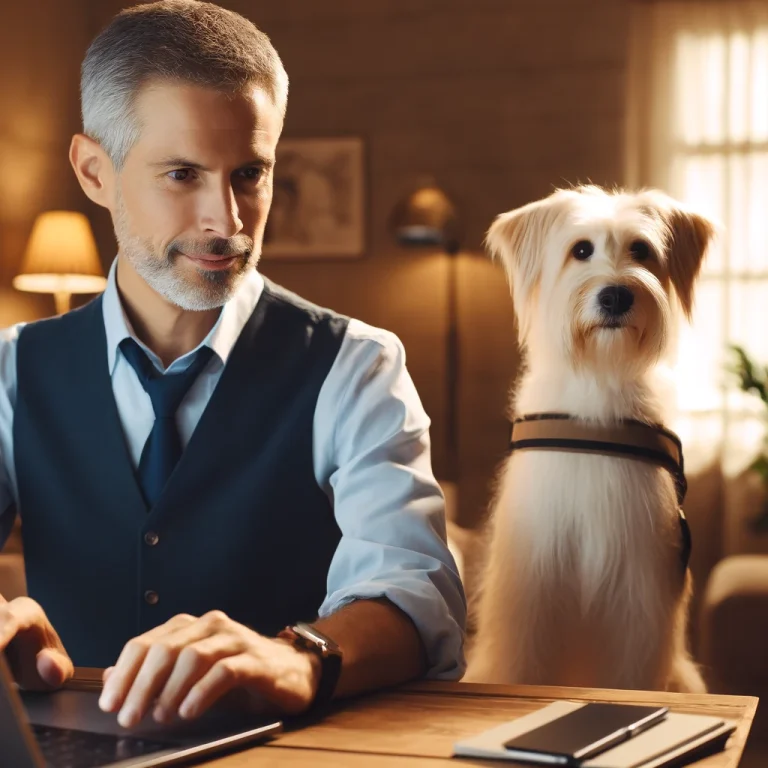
79	710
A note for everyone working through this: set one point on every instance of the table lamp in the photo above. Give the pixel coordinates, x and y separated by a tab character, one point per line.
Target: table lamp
61	258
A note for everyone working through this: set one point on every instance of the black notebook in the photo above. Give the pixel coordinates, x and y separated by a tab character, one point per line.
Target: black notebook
584	733
676	739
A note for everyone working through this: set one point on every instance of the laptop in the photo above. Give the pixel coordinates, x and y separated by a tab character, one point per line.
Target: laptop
66	729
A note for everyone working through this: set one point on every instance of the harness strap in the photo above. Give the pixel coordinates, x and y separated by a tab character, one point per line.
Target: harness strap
627	439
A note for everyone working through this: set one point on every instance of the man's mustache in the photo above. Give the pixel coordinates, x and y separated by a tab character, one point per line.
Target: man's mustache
240	245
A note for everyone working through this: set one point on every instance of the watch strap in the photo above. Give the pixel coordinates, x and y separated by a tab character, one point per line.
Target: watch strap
330	664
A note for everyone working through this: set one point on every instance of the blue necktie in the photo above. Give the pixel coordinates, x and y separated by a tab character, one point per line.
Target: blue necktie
162	450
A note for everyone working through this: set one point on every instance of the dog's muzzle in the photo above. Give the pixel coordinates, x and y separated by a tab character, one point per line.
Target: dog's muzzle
627	439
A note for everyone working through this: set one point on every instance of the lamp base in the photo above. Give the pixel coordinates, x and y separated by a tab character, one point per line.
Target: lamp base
63	301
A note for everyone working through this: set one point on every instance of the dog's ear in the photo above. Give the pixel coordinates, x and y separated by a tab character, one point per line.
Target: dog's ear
516	238
689	236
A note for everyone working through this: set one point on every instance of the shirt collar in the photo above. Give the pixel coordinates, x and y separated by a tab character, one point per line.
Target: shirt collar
221	338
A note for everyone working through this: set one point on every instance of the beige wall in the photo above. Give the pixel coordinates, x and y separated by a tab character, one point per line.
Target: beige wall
41	45
499	99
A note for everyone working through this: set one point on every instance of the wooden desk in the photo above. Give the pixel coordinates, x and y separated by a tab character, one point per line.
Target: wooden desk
418	724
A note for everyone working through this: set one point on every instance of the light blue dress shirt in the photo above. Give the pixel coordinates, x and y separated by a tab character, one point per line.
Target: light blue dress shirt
371	457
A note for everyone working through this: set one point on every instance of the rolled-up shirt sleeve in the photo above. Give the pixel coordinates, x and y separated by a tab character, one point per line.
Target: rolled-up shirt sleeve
373	459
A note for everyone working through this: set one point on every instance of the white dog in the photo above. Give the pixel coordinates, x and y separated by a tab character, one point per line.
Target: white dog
583	584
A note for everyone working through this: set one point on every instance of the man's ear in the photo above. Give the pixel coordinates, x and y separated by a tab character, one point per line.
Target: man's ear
93	168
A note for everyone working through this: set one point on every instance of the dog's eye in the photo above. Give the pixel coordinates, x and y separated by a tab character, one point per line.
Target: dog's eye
640	250
582	250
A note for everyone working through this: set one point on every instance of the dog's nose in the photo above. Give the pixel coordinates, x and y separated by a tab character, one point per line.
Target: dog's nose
615	300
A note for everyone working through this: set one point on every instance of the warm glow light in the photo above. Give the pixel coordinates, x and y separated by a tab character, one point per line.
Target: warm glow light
61	258
718	163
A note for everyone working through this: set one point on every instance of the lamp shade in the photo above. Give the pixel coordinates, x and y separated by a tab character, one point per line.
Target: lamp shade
427	216
61	256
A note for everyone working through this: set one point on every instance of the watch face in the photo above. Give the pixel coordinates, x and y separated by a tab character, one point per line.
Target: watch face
311	639
316	637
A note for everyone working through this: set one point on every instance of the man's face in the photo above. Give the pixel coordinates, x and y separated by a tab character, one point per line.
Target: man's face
192	198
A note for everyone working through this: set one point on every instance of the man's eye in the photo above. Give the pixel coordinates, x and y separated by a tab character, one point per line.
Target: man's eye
181	174
251	174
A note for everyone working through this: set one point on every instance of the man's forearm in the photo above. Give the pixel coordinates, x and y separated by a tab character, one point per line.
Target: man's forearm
380	646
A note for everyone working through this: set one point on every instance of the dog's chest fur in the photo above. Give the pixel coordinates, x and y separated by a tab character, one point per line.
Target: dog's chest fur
599	525
595	526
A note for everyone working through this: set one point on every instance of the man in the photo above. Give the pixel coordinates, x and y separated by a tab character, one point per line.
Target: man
201	459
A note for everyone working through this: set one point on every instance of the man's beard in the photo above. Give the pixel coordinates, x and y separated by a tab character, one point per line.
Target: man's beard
211	289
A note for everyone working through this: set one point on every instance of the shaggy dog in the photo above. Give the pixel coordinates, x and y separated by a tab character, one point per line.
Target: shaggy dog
583	583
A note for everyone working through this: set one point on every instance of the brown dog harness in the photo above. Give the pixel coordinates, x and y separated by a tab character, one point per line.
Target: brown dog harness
627	439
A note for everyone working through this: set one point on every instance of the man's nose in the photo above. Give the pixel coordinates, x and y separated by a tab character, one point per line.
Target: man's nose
222	212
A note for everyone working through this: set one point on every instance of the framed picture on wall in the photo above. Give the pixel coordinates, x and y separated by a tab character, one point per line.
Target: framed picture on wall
318	205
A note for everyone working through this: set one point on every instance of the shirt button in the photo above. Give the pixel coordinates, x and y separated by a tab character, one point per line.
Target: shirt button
151	597
151	538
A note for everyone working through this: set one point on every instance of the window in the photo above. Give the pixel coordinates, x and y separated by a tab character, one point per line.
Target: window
698	128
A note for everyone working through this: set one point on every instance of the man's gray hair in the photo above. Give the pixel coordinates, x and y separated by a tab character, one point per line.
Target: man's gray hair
176	41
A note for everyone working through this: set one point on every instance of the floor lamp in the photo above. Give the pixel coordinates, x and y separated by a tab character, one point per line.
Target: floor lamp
427	218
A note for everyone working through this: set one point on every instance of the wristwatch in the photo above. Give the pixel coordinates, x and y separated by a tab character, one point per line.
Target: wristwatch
308	638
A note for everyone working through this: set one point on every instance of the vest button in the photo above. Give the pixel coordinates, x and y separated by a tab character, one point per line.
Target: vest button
151	538
151	597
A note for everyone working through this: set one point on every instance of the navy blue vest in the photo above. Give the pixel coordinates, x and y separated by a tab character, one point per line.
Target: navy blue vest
242	525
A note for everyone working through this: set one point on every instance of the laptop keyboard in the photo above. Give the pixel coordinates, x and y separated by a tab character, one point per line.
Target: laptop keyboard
65	748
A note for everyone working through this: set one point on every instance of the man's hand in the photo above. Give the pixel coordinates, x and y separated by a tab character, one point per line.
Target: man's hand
35	653
187	664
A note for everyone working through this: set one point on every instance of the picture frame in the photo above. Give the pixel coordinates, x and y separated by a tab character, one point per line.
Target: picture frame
318	203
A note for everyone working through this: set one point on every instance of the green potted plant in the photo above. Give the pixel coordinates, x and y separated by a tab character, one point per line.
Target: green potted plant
753	378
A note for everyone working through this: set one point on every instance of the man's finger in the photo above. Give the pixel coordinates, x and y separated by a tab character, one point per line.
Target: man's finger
150	680
54	667
20	615
120	679
123	676
161	659
193	663
223	677
35	651
10	625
